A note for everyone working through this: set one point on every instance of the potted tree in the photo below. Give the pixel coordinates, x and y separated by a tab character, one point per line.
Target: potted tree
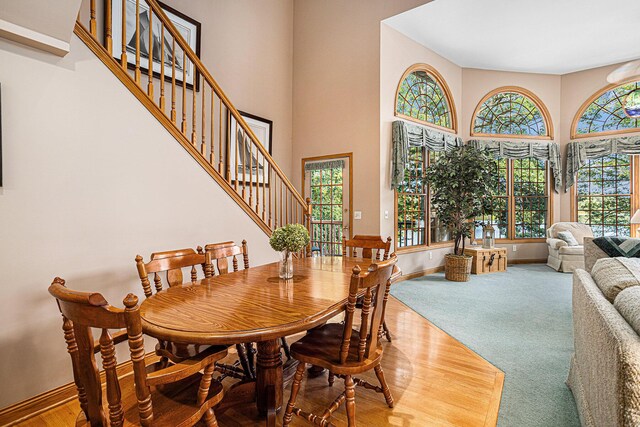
462	182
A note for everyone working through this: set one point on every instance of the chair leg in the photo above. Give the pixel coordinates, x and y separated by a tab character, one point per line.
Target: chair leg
350	393
209	418
331	378
285	347
244	361
385	388
251	356
295	388
387	333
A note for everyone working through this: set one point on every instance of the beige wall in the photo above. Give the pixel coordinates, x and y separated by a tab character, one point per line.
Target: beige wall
247	45
91	178
53	19
336	90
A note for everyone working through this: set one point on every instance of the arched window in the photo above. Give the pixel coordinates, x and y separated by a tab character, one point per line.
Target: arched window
424	97
604	191
604	112
521	203
511	111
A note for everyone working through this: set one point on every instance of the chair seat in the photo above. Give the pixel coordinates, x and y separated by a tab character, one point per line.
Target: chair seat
321	347
174	404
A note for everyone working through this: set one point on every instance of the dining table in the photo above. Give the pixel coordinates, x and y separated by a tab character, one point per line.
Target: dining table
254	305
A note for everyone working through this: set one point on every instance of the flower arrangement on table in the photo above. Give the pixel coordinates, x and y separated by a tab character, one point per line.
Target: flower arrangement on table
287	240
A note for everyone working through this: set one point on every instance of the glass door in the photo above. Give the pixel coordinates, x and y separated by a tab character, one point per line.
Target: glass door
327	184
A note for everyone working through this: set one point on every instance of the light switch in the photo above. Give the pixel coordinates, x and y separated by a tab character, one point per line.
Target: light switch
386	214
357	215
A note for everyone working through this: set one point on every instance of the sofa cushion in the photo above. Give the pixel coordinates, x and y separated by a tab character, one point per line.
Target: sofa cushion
613	275
628	305
571	250
568	237
578	230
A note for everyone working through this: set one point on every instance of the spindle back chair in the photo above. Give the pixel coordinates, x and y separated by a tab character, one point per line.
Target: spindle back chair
171	263
168	265
345	350
221	253
131	399
363	246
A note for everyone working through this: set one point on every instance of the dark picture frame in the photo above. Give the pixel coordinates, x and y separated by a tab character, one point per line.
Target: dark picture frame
263	129
189	28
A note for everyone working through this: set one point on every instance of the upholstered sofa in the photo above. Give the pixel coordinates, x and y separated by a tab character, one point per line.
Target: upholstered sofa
605	368
563	257
592	253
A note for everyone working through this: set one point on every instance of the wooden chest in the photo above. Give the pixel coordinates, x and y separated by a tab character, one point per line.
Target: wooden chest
487	260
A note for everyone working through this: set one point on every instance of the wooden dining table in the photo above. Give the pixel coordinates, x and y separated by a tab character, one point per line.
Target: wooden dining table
253	305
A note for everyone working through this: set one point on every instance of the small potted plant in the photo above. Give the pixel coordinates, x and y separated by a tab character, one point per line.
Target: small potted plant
462	183
287	240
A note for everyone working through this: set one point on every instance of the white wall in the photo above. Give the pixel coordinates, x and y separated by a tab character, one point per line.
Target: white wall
90	180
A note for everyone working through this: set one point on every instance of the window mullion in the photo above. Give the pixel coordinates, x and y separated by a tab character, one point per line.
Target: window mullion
427	199
511	234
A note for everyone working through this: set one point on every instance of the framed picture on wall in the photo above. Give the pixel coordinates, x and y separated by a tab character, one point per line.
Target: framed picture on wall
251	166
162	50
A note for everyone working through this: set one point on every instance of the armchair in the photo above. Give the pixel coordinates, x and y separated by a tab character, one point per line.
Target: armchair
563	257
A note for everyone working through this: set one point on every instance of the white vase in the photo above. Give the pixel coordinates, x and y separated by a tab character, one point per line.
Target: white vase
286	265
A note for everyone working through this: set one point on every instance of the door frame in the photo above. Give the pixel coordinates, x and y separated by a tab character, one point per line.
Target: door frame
329	157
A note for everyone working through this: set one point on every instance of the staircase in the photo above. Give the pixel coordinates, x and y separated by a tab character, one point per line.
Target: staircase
181	93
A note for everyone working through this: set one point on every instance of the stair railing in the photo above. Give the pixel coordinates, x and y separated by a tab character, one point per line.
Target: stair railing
179	90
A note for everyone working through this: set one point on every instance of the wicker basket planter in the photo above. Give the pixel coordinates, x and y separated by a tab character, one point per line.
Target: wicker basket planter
457	268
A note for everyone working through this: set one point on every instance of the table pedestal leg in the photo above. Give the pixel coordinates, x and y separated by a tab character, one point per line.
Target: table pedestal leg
269	377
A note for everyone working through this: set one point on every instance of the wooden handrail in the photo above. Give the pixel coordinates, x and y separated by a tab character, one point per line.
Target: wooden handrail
153	4
267	194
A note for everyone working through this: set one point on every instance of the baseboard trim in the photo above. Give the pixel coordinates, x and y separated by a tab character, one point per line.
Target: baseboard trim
440	268
527	261
43	402
417	274
36	405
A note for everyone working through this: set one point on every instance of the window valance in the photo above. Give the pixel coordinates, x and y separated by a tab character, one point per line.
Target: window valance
409	134
328	164
579	152
540	150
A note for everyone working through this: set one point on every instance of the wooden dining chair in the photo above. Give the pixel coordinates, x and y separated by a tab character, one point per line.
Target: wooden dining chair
171	263
178	395
225	255
167	268
344	350
369	247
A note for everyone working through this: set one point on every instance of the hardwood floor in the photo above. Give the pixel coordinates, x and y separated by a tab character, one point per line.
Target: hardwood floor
435	381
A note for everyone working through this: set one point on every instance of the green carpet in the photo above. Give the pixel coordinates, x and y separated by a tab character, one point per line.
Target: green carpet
520	321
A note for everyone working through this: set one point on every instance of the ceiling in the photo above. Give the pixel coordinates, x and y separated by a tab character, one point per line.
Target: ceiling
542	36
